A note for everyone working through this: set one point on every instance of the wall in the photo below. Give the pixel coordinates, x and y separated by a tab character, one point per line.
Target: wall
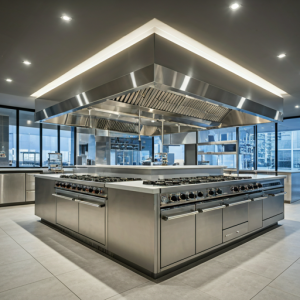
17	101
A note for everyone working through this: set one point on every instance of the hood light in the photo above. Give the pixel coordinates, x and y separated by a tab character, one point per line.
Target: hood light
235	6
26	62
9	80
282	55
66	18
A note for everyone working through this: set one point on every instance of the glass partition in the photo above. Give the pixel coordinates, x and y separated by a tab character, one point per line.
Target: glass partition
289	145
266	146
8	138
247	146
29	140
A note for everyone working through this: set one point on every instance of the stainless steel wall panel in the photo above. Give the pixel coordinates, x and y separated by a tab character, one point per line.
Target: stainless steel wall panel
45	203
30	196
12	188
183	138
131	227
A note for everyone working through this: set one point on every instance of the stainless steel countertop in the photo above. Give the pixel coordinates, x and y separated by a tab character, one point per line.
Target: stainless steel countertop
151	167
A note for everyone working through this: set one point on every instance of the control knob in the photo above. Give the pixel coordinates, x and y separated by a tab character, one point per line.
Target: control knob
97	191
74	186
79	187
68	185
200	194
219	191
183	196
260	185
91	189
250	187
192	195
211	192
174	198
235	189
243	187
57	183
62	184
255	186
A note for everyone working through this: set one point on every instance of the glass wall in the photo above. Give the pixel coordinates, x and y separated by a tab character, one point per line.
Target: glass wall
8	138
67	143
289	145
247	147
266	146
50	142
29	140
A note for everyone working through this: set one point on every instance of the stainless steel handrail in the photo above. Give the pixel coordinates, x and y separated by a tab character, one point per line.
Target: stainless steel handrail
238	203
167	218
279	194
259	198
63	197
210	209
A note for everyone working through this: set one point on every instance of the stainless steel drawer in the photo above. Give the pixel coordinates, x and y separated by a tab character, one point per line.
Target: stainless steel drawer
67	212
273	205
235	213
255	214
177	234
209	228
92	220
235	232
30	196
273	220
30	185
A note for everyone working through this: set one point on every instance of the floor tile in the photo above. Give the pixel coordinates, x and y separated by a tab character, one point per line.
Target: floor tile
269	293
45	289
21	273
13	254
101	281
170	289
38	248
225	282
289	280
2	233
256	261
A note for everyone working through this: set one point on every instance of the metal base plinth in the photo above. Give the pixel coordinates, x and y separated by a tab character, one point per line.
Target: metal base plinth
16	203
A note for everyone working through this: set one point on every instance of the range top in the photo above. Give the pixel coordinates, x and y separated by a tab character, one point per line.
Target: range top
98	178
192	180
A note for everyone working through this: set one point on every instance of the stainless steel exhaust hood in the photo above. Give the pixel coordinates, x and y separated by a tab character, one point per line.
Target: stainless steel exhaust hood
169	89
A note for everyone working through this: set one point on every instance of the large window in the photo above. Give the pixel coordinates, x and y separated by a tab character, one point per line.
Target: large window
50	142
266	146
29	140
289	144
247	148
8	140
67	145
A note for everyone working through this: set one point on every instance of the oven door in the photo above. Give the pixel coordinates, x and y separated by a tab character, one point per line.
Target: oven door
177	234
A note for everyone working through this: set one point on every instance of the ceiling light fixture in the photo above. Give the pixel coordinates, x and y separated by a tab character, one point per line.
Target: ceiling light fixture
152	121
297	106
235	6
66	18
171	34
281	55
26	62
9	80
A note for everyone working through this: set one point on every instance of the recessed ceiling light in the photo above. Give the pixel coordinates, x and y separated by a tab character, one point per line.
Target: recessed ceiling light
281	55
26	62
297	106
151	109
66	18
29	122
235	6
152	121
9	80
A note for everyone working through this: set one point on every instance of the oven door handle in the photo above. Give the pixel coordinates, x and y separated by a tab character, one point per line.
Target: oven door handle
63	197
90	203
279	194
259	198
168	218
211	209
237	203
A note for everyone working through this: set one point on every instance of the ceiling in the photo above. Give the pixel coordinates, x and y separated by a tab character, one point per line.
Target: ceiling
251	36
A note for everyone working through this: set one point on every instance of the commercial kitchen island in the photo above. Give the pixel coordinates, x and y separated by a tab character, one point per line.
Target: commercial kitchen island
159	224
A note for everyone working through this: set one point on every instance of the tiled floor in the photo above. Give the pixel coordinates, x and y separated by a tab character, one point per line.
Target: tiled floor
37	262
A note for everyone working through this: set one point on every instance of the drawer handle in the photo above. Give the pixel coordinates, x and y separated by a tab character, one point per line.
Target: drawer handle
259	198
168	218
91	204
238	203
63	197
279	194
211	209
